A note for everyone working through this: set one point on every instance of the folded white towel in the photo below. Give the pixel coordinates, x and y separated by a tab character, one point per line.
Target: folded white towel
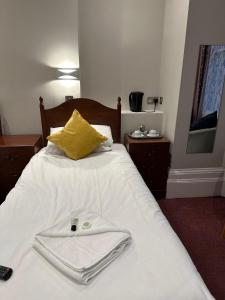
82	254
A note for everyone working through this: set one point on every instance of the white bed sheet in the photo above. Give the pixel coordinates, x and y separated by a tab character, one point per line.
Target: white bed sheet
155	266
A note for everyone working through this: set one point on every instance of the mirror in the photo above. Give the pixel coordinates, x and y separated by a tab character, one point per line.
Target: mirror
207	99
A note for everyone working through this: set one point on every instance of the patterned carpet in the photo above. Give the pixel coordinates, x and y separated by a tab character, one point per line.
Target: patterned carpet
199	224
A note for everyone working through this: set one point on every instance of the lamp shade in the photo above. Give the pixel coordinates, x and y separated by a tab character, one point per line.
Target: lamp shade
67	74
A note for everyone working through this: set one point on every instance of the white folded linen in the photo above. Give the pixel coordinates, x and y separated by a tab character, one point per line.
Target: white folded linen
83	253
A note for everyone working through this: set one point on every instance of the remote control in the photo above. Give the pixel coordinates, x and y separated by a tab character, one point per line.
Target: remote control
5	273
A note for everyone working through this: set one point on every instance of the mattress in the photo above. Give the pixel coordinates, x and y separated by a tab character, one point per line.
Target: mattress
155	266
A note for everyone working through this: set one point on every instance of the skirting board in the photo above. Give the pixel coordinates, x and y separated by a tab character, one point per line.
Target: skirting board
197	182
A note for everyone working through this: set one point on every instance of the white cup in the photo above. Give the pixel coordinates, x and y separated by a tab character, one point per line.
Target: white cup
153	132
137	133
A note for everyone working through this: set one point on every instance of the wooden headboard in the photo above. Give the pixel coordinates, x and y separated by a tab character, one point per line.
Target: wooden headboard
91	110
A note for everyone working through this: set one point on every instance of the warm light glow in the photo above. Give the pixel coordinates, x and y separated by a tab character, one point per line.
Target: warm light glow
70	85
67	77
67	70
62	88
67	64
57	59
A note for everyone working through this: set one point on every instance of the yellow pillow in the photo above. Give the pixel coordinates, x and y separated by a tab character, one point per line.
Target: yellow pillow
78	138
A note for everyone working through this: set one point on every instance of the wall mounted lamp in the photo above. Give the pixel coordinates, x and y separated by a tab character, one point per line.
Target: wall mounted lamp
67	74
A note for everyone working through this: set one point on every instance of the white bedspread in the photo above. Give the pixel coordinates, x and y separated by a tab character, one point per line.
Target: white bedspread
156	265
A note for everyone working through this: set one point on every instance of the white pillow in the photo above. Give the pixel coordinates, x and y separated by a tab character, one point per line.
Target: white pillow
51	147
103	129
106	131
54	130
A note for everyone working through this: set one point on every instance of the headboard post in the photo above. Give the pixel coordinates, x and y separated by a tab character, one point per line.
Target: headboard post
43	121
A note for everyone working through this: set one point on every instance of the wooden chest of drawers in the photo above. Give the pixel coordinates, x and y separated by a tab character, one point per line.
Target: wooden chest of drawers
152	158
15	153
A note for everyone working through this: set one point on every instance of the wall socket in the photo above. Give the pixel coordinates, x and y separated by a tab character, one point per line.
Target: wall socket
67	98
152	100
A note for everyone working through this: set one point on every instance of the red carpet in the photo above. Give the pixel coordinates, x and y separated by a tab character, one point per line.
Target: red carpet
199	224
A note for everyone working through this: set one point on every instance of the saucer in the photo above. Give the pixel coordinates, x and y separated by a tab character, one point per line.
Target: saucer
139	136
154	136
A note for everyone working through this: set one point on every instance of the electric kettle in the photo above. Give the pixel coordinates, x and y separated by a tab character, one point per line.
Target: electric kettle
135	101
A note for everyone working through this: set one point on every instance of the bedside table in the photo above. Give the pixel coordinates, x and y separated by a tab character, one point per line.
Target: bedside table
152	158
15	153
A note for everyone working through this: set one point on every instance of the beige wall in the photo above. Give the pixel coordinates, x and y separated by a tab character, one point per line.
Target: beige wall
120	48
36	37
206	23
173	42
120	44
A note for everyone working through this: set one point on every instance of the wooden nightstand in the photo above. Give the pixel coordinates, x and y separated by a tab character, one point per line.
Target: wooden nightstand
15	153
223	234
152	158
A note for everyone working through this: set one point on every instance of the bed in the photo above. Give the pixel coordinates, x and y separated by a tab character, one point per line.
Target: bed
155	266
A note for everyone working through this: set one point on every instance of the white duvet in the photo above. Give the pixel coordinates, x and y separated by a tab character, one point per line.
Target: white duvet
155	266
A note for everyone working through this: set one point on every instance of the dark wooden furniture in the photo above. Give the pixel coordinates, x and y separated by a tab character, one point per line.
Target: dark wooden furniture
91	110
0	126
15	153
152	158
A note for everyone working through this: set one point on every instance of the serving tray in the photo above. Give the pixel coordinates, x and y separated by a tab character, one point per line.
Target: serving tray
144	137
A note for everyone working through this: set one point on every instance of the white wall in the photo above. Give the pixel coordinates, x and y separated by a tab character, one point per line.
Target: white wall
197	174
36	37
206	23
173	42
120	48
